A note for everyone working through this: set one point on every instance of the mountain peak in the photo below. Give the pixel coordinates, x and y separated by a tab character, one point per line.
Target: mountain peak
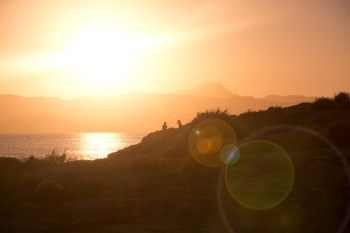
212	89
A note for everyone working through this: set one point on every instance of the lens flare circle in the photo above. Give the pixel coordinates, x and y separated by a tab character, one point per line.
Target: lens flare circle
209	140
206	140
229	154
263	177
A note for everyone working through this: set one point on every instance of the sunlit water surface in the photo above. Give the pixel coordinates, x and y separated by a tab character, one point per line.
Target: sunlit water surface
80	145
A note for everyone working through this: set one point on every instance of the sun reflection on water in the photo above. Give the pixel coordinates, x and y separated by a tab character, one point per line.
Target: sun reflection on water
99	145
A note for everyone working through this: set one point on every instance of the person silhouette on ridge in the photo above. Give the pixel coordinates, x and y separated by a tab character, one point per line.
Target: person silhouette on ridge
179	123
164	126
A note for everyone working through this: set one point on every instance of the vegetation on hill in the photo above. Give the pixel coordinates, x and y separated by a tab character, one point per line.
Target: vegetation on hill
157	185
340	101
214	113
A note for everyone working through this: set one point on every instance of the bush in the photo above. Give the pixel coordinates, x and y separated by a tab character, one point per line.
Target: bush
342	101
54	157
214	113
322	104
276	110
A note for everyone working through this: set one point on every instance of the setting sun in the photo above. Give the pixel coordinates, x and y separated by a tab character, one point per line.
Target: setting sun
102	56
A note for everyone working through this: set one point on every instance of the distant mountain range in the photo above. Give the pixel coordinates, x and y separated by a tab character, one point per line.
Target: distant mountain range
133	112
214	89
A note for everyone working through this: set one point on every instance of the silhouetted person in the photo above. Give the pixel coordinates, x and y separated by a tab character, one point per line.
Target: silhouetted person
179	123
164	126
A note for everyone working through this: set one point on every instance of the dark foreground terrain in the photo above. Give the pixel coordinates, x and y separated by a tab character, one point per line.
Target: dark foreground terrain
292	176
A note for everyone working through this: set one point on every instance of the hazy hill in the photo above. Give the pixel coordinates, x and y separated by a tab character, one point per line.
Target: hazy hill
289	98
134	112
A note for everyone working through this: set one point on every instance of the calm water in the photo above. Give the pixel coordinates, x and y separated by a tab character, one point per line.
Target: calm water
81	145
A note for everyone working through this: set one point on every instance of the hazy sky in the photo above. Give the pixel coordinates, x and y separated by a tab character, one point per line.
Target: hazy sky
71	48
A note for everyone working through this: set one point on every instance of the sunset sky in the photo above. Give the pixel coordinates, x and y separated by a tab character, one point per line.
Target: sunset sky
72	48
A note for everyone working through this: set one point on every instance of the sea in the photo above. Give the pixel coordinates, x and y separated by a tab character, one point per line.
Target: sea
87	146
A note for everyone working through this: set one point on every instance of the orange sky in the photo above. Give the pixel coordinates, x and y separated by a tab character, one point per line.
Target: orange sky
71	48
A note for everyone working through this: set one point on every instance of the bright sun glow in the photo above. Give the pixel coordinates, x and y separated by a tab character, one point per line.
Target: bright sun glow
103	57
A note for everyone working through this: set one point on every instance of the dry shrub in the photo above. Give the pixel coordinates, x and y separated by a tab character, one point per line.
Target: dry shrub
214	113
342	101
322	104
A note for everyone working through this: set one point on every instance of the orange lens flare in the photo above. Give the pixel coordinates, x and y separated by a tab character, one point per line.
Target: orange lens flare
206	140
